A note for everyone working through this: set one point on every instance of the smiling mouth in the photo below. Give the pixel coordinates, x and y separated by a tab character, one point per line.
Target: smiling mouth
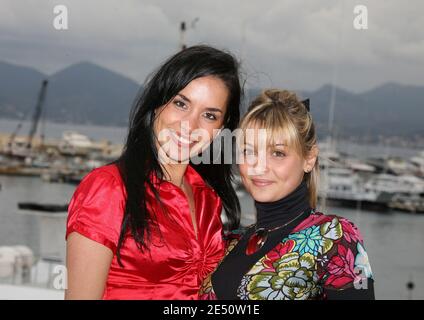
182	141
262	182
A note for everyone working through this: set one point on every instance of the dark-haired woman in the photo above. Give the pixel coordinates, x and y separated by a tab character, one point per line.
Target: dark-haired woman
148	225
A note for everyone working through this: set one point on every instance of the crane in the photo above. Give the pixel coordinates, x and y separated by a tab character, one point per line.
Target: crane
37	113
34	122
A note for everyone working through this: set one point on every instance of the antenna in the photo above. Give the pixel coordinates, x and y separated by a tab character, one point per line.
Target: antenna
332	105
182	35
183	30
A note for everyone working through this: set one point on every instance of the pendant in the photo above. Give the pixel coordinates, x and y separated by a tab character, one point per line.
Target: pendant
256	241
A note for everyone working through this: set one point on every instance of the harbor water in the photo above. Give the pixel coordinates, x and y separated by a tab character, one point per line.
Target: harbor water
394	240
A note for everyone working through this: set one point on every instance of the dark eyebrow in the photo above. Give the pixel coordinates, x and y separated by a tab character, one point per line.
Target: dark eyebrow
207	109
183	97
214	110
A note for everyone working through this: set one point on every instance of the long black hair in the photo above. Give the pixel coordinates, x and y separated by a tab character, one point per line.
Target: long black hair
140	155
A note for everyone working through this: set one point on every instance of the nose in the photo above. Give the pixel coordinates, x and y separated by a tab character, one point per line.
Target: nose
259	166
190	123
257	170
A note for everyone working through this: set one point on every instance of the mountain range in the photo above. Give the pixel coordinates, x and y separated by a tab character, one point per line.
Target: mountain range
86	93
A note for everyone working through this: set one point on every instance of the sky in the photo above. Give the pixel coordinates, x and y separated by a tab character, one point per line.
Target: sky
290	44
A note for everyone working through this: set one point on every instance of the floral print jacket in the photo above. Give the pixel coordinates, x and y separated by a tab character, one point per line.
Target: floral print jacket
322	253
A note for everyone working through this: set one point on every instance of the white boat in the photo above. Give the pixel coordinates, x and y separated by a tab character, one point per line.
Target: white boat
418	161
408	202
394	184
400	166
345	185
74	143
407	192
18	148
24	275
359	166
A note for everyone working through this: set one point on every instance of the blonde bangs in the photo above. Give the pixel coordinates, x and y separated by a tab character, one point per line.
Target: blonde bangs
279	128
286	120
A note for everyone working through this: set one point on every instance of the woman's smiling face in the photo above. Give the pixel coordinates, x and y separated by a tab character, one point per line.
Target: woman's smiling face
188	123
271	171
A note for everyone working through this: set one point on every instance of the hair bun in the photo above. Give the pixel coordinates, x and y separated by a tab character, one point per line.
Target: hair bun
283	98
280	96
273	95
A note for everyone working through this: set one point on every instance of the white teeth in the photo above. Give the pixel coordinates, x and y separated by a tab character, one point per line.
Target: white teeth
181	139
184	141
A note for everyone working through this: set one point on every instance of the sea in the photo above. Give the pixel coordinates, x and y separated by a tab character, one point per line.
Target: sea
394	240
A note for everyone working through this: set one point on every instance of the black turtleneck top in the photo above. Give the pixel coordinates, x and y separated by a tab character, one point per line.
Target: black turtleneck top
292	209
227	277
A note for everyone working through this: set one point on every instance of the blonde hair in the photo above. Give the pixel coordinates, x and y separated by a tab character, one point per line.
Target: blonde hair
282	114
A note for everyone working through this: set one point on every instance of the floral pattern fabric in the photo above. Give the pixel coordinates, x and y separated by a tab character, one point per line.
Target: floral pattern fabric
321	253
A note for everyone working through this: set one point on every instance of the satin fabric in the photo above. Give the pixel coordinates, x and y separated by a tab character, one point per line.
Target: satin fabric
178	260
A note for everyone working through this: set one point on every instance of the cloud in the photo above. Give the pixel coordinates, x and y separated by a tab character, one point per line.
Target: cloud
298	44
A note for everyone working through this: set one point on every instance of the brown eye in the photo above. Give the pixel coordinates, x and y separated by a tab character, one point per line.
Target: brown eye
210	116
180	104
278	154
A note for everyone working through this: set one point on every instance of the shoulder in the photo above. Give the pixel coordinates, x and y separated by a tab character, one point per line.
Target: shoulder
107	177
100	187
344	256
337	237
343	228
97	206
326	232
328	222
109	171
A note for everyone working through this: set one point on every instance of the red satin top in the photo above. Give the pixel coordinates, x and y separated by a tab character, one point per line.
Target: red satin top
177	262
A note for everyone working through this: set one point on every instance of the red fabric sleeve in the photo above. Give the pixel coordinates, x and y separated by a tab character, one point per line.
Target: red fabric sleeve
97	208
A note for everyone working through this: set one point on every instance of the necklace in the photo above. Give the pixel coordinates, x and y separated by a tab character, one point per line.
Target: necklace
259	237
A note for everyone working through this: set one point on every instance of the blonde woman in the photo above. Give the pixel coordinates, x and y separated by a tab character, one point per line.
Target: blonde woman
293	251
